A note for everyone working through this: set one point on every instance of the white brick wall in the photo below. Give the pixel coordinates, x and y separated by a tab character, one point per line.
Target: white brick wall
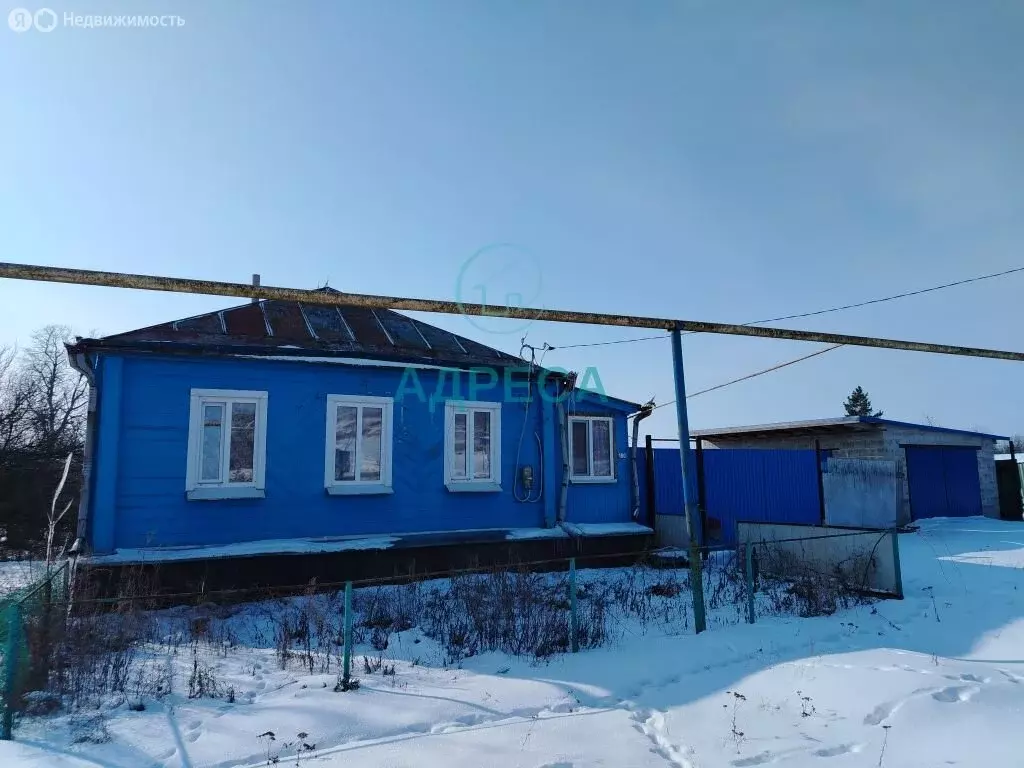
845	445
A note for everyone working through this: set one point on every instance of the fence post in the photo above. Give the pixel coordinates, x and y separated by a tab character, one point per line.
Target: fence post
897	572
10	669
347	664
652	510
573	622
702	497
749	555
821	480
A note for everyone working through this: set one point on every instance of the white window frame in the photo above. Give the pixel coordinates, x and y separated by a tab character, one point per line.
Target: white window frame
590	477
469	483
197	489
357	486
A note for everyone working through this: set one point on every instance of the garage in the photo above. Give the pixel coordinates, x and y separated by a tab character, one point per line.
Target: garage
943	481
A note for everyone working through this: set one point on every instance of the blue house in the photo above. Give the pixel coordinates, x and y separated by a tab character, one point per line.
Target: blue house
277	428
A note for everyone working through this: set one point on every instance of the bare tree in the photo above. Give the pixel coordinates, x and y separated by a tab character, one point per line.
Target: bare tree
1017	441
42	409
53	518
14	405
58	394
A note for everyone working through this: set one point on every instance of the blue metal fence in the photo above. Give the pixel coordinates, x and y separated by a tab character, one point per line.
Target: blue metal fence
779	486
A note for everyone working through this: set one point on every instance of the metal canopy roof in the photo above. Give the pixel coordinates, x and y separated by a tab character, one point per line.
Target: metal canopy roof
818	426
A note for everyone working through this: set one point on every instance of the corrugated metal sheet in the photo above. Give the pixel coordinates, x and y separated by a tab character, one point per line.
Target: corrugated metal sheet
779	486
328	324
438	338
668	482
286	321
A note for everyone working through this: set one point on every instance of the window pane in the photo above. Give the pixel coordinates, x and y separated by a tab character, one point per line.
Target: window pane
243	442
481	444
580	448
213	422
602	449
345	443
459	457
373	419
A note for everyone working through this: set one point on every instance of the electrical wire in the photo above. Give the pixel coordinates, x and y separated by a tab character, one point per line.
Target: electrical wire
818	311
529	498
755	374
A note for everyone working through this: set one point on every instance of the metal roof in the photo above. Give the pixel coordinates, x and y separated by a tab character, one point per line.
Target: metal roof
294	328
851	423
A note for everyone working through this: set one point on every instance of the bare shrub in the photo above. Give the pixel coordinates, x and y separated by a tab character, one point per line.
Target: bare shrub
306	629
650	596
513	611
202	682
802	586
100	652
89	729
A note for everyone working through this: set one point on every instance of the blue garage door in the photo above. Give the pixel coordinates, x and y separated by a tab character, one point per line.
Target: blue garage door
943	481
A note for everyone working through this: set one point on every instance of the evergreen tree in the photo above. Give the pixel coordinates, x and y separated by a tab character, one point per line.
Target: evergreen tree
859	404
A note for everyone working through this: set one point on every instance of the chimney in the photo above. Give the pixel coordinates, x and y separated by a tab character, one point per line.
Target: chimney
255	284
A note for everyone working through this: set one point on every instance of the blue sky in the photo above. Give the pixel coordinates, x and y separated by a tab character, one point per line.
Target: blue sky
702	160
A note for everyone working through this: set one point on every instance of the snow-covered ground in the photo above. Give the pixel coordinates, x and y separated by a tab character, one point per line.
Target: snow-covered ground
936	679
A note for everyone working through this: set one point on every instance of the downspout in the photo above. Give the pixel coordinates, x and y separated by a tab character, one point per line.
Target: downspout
80	363
568	384
645	410
563	491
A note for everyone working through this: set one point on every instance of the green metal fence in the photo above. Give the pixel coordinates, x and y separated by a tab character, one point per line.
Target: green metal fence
30	622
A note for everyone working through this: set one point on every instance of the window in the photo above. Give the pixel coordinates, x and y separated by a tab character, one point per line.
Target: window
358	458
592	449
226	444
472	457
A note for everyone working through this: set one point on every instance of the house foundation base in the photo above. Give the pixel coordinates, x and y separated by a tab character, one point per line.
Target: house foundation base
236	579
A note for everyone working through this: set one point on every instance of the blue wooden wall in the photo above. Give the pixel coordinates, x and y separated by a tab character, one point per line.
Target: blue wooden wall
742	484
141	452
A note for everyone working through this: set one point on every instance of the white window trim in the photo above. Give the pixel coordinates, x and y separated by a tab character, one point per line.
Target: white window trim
471	484
358	487
590	477
196	490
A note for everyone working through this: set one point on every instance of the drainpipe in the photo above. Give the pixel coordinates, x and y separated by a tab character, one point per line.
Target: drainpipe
568	384
645	410
563	491
80	363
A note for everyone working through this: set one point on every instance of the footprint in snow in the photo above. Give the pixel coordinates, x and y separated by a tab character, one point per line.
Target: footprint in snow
956	693
881	712
1017	679
974	679
463	721
759	759
842	749
556	765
